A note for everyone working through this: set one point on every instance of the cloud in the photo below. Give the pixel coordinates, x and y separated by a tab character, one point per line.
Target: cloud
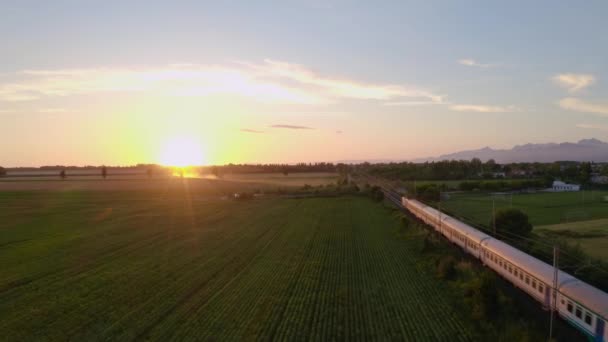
343	88
578	105
291	127
247	130
267	82
592	126
172	80
472	63
52	110
483	108
574	82
409	103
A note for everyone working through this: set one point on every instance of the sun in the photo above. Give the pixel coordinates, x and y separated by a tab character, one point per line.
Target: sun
182	152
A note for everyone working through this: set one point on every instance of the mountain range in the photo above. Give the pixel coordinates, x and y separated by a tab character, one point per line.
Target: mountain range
583	150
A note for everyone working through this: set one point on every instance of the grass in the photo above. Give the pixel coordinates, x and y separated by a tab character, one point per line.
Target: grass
136	265
578	217
591	235
454	184
543	208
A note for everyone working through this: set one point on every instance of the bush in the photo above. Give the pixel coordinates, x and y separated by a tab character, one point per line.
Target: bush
446	268
512	221
376	193
483	296
405	222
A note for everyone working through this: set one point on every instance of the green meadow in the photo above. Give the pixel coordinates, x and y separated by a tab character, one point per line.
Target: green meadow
578	217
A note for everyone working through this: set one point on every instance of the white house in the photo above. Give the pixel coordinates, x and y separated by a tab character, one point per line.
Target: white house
561	186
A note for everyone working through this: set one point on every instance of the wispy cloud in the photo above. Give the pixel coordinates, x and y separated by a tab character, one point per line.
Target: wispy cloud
248	130
574	82
172	80
409	103
483	108
338	87
267	82
52	110
291	127
578	105
592	126
473	63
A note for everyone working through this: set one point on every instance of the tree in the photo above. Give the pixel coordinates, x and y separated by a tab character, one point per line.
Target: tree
512	221
2	171
149	172
62	174
491	165
476	165
428	192
585	173
104	172
285	171
377	193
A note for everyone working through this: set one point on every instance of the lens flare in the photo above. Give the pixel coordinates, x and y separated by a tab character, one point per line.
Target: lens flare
182	152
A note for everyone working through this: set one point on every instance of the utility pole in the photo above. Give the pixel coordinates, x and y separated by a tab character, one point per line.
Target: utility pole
553	303
494	214
440	211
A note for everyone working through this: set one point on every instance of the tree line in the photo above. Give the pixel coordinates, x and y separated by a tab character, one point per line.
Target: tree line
475	169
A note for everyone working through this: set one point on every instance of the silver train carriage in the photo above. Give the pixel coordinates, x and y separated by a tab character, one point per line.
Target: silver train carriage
579	303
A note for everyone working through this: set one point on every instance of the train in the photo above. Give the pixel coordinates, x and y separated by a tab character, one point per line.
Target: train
582	305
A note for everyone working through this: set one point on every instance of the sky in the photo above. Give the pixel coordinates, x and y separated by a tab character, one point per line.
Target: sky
213	82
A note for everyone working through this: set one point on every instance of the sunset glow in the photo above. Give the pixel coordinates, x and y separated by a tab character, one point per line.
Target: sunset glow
182	152
241	91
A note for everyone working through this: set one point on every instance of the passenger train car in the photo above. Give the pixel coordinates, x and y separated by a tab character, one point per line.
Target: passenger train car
581	304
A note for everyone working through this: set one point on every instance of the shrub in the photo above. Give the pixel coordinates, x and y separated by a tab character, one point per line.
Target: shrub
376	193
484	296
512	221
446	268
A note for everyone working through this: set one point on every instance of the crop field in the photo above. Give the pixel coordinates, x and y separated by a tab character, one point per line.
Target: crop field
297	179
108	265
209	185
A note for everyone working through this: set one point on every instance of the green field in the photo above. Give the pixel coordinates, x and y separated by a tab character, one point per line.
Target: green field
591	235
141	265
543	208
296	179
454	184
579	212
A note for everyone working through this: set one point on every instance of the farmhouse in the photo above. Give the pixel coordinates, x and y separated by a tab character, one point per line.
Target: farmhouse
559	186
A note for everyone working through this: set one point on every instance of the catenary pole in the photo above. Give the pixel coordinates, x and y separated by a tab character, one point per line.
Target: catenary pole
553	304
